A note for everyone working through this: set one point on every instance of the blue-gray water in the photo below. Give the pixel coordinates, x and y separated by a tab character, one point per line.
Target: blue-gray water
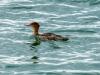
77	19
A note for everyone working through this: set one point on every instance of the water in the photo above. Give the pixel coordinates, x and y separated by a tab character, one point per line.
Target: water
77	19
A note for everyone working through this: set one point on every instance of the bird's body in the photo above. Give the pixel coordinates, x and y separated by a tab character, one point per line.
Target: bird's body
51	36
46	36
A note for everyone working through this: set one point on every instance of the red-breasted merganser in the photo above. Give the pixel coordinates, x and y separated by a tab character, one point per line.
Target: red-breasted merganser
45	36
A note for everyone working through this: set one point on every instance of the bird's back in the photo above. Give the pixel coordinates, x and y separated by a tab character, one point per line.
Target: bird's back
52	36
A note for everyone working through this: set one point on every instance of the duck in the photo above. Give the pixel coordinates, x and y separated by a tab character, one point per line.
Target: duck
45	36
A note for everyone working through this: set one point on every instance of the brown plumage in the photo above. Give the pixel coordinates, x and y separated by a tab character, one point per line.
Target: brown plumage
45	36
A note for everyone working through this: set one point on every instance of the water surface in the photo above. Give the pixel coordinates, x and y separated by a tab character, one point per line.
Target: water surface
77	19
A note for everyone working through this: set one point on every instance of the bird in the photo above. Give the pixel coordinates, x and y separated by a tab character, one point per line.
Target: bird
45	36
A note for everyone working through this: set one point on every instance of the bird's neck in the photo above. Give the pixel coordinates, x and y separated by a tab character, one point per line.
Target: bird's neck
35	31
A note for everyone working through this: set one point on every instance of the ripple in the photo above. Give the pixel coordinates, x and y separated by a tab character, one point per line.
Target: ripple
53	72
7	21
65	71
14	41
43	13
74	71
22	6
22	1
88	17
94	3
77	30
4	2
14	60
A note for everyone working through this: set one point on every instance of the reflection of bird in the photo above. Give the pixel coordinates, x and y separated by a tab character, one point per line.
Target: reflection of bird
45	36
35	59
